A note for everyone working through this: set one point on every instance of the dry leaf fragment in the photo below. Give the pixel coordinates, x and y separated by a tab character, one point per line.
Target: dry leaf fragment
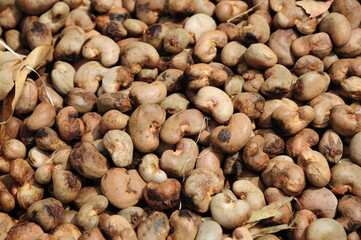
314	8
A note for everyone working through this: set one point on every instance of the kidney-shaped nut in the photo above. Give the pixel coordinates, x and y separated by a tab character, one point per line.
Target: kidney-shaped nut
345	120
305	139
82	100
189	122
308	63
278	82
258	55
149	169
7	200
337	26
117	227
144	126
349	88
232	53
181	162
353	47
285	175
280	43
249	192
64	230
135	60
273	197
318	44
56	17
253	155
71	41
119	145
87	161
205	49
13	149
200	75
214	101
301	220
323	104
273	144
344	177
183	224
331	146
108	101
310	85
34	7
233	137
199	187
116	78
66	185
349	212
62	77
45	212
144	93
288	121
315	166
254	30
344	68
87	216
102	48
228	212
122	187
155	226
47	139
161	196
69	126
134	215
325	228
42	116
265	120
209	230
28	98
113	119
89	75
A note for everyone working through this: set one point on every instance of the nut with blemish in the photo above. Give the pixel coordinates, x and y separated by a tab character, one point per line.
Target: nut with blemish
42	116
120	147
28	98
186	123
87	216
253	155
321	201
116	227
114	30
87	161
349	212
229	212
45	91
200	75
323	105
301	117
265	120
10	14
134	215
172	79
253	80
80	18
13	149
344	68
91	121
155	226
315	166
214	101
243	233
21	171
308	63
345	126
331	147
183	225
7	200
258	55
249	103
284	174
149	11
47	139
122	187
12	128
273	196
28	194
24	230
175	103
82	100
116	78
278	81
84	194
254	30
109	101
353	47
232	53
116	13
199	187
69	126
344	177
71	41
305	139
176	40
273	144
65	230
92	234
318	44
155	34
135	60
234	85
161	196
37	35
206	45
233	137
349	88
55	17
45	212
62	77
7	223
66	185
34	7
181	162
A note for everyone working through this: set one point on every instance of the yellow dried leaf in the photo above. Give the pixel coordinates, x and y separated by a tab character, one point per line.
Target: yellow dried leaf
315	8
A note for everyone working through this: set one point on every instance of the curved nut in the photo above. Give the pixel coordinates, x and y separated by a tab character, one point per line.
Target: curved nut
206	45
345	120
247	191
201	74
337	26
116	78
62	77
331	147
145	93
116	226
310	85
71	41
258	55
56	17
253	155
161	196
120	147
278	82
87	216
344	68
149	169
42	116
318	44
280	43
305	139
70	127
254	30
344	178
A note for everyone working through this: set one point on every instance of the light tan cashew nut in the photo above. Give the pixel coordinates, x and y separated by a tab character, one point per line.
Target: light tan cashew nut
209	230
71	41
56	17
87	216
247	191
233	137
215	101
145	93
117	227
62	77
89	75
101	48
116	78
345	177
206	46
120	147
149	169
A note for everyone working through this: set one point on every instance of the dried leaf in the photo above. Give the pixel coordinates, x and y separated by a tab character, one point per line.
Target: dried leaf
21	69
314	8
268	211
269	230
